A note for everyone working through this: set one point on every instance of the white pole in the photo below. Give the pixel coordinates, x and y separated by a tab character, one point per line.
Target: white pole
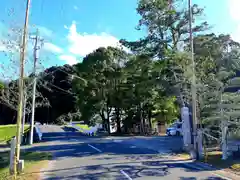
34	88
24	114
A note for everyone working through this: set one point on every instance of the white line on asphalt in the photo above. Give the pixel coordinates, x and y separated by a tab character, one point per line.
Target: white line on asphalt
200	169
94	148
126	175
221	176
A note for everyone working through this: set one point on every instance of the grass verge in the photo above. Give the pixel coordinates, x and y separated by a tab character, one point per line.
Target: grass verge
8	131
183	156
33	163
83	127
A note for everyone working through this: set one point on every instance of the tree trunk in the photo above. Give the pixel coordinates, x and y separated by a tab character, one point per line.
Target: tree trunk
108	116
149	119
118	119
106	122
141	119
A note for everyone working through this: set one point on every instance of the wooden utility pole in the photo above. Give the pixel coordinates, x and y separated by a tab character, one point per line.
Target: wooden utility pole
24	113
35	54
194	93
21	88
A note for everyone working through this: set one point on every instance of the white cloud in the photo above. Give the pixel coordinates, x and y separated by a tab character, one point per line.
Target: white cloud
82	43
235	16
52	48
234	9
45	32
236	34
69	59
75	7
65	26
2	47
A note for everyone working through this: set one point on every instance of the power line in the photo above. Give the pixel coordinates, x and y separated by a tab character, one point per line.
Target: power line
60	88
72	75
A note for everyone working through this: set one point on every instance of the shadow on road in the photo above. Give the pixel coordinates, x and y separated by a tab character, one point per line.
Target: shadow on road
134	170
77	160
136	163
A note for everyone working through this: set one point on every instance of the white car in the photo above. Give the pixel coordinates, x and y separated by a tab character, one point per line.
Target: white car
175	129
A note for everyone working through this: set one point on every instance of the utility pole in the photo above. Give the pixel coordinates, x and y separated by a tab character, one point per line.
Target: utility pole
24	113
35	54
194	93
21	83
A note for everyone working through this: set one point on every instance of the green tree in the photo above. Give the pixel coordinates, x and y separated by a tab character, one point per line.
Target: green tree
1	85
168	31
167	25
218	60
101	70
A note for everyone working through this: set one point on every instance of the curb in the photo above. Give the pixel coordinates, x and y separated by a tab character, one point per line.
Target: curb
206	166
218	172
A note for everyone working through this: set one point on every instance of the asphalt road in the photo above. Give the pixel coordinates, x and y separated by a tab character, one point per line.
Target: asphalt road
80	157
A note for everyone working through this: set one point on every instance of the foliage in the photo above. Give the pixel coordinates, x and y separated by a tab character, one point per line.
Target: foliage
121	88
1	86
218	61
166	109
8	131
168	31
167	26
53	89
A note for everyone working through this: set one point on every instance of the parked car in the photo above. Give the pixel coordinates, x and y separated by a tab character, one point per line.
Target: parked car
175	129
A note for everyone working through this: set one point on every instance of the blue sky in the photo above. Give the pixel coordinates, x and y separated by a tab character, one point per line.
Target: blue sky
73	28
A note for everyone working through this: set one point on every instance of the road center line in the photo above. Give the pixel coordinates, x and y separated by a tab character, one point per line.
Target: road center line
126	175
94	148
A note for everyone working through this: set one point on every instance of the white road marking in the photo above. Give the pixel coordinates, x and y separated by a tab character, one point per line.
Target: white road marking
126	175
199	168
221	176
94	148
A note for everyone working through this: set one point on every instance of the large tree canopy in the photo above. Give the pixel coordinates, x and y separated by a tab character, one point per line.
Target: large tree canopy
120	88
167	24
